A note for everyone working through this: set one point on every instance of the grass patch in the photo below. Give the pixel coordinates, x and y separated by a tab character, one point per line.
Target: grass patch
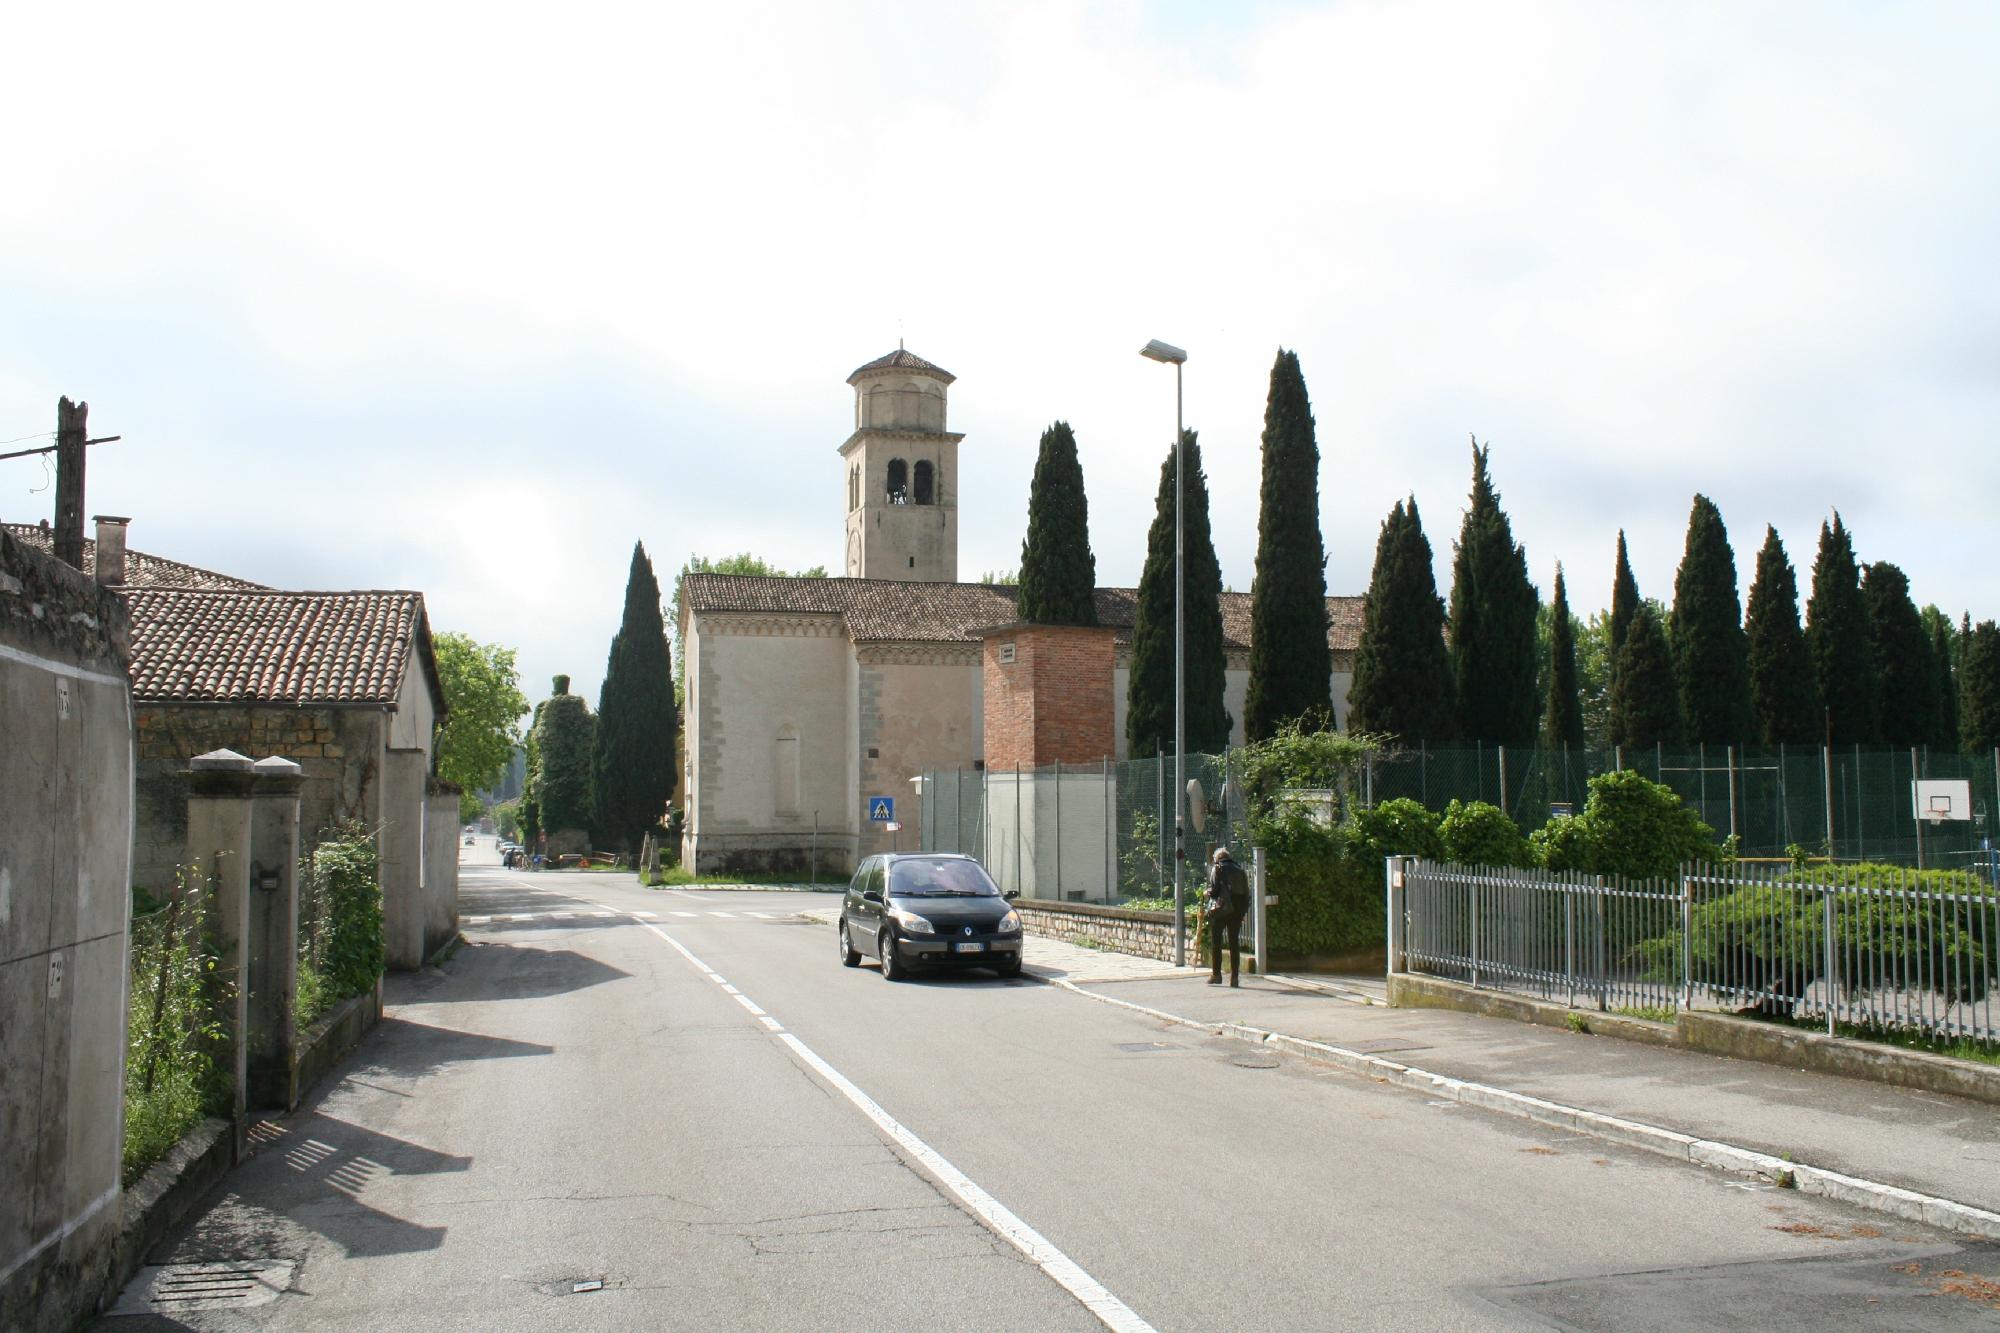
1957	1048
1652	1013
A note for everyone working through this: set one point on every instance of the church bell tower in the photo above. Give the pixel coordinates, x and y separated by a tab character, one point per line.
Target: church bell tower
901	468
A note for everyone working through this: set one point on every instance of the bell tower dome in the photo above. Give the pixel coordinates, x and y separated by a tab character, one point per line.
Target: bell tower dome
901	473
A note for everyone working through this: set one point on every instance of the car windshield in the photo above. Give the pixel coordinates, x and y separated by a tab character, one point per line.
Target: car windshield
940	879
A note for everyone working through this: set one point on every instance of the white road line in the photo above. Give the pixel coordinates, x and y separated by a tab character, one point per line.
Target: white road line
722	914
687	913
761	916
1066	1273
749	1004
522	916
646	916
477	920
603	914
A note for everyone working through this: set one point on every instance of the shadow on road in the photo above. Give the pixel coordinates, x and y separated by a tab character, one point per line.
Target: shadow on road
403	1049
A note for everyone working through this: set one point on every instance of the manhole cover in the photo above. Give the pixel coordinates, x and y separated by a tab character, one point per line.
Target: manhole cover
1254	1060
224	1286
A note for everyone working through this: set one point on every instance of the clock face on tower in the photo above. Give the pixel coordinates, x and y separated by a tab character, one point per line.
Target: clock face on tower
854	555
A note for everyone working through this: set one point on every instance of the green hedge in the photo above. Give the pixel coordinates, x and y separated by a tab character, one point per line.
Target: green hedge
341	947
174	1034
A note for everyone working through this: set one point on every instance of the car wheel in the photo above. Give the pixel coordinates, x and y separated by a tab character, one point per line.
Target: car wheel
849	957
1010	968
893	968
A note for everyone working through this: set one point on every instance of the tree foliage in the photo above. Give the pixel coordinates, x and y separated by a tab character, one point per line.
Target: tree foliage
1562	715
1402	672
1979	699
633	767
1710	651
1784	690
565	737
1645	706
484	704
1900	654
1058	573
1944	689
1291	663
1629	826
1624	605
1492	621
1837	632
1149	707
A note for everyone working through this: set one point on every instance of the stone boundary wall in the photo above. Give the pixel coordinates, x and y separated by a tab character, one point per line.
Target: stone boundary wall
1123	929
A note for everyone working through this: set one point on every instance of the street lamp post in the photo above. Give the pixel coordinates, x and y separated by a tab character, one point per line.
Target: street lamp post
1167	353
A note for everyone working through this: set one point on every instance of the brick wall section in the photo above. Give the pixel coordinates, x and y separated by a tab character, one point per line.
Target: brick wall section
338	749
1123	930
1053	702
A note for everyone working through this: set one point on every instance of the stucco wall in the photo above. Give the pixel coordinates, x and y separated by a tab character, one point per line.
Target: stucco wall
440	870
917	709
771	739
65	909
411	724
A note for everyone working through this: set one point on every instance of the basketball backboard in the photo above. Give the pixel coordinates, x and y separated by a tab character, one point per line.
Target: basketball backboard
1939	799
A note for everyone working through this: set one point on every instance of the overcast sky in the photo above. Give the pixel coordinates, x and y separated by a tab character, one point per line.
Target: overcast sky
467	299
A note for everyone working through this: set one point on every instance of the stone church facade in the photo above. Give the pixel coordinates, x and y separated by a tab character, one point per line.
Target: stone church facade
807	697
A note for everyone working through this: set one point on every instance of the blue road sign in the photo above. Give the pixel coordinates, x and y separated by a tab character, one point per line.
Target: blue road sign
881	809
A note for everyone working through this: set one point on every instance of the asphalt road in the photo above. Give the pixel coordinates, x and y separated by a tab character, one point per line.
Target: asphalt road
684	1097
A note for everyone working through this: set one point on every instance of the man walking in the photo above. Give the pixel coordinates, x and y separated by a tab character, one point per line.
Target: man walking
1228	900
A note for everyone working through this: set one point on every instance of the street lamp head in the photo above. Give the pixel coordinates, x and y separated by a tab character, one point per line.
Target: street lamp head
1159	351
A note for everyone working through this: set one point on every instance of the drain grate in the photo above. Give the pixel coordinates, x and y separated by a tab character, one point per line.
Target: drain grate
238	1285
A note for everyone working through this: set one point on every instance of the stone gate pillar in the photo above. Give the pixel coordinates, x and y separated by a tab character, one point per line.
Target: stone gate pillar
274	932
220	784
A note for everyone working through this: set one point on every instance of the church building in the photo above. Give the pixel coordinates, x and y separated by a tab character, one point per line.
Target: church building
806	698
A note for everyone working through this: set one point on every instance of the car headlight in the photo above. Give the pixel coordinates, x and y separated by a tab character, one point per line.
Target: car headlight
910	921
1010	922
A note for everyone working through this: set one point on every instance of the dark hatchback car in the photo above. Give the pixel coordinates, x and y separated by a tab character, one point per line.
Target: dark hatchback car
928	909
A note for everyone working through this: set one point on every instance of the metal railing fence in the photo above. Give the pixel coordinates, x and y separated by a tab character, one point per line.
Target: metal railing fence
1876	948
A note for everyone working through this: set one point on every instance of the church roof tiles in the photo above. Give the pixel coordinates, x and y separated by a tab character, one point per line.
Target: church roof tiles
893	611
902	360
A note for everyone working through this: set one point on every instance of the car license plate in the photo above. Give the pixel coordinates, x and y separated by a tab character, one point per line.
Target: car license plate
974	947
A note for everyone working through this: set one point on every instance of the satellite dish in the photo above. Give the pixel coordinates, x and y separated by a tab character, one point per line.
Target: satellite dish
1197	806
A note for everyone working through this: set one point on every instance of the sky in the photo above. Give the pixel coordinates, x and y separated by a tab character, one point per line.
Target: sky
468	299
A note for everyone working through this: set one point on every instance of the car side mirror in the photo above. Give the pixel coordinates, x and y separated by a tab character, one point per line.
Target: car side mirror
1011	894
871	897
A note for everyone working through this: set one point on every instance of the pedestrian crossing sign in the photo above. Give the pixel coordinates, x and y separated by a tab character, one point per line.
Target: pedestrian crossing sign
881	809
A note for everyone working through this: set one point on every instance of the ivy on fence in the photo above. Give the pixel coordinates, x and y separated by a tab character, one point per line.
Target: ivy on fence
174	1031
341	948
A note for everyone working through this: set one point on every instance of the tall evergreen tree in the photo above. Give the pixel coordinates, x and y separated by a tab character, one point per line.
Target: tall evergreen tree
1624	603
633	768
1837	631
1291	663
1058	573
1402	673
1149	694
1784	692
1711	655
563	740
1562	717
1492	621
1944	693
1979	718
1645	705
1900	652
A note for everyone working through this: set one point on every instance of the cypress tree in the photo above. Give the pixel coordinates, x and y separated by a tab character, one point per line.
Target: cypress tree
1562	718
1784	692
1944	693
1645	705
1058	574
565	736
633	768
1900	652
1711	655
1291	664
1149	694
1402	673
1624	603
1492	622
1979	720
1837	631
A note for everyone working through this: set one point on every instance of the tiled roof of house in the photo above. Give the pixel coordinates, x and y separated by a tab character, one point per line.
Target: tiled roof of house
141	570
266	647
889	610
902	360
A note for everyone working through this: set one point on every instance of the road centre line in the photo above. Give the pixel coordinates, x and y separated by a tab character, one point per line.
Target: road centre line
1064	1271
1926	1209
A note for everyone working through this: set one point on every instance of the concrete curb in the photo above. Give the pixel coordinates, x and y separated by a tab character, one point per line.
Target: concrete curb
1944	1214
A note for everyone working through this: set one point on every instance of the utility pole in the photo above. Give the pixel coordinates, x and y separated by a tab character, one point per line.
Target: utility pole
70	434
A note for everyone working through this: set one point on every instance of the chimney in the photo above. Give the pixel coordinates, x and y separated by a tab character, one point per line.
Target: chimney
111	550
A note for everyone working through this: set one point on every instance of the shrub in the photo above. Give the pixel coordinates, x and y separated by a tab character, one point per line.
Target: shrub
1329	898
1479	834
173	1024
1629	827
340	918
1401	827
1560	844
